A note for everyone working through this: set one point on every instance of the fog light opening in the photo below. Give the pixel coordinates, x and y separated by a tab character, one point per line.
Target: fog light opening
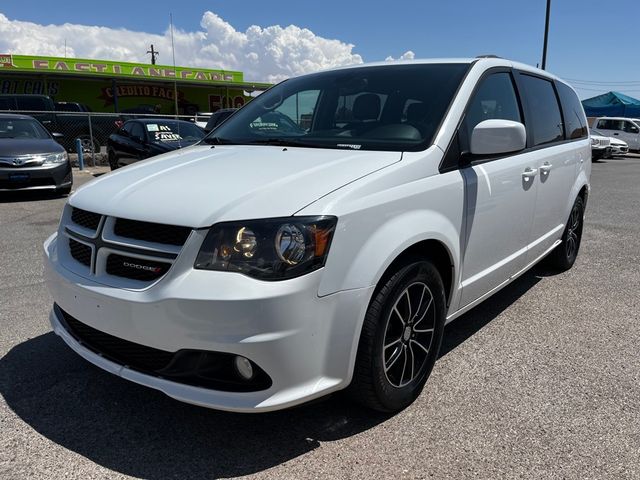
243	367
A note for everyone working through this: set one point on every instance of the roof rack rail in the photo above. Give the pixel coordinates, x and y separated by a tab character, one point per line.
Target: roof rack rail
488	56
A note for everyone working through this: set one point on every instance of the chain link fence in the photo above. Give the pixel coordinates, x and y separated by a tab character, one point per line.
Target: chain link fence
91	129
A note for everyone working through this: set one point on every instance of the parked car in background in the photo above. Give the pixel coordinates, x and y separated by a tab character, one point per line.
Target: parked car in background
71	107
72	125
218	117
625	129
143	138
30	158
201	119
600	146
282	259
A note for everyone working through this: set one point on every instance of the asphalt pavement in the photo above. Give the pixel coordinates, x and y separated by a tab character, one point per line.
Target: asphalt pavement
542	381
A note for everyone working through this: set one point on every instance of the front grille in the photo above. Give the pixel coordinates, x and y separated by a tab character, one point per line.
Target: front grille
122	351
199	368
80	251
85	219
27	182
135	268
151	232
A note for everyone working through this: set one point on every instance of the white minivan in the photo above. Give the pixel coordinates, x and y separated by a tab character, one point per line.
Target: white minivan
323	236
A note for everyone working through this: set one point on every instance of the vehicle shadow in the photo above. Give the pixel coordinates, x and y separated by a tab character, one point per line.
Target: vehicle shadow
140	432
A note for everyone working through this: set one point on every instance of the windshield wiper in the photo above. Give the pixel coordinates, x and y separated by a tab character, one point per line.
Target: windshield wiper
282	142
217	141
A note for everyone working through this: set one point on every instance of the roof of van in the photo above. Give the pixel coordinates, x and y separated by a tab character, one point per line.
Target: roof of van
488	61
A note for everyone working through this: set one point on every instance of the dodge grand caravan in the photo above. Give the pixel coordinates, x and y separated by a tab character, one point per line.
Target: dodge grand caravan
323	236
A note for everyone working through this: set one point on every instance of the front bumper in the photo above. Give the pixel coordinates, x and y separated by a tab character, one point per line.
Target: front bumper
306	344
36	178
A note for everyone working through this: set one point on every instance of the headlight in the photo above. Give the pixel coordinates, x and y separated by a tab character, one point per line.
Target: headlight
594	141
55	157
271	249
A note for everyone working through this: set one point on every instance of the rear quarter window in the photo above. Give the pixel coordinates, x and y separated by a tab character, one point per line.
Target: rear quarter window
574	117
544	111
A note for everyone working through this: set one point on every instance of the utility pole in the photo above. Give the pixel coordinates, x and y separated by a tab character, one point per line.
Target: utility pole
154	54
546	36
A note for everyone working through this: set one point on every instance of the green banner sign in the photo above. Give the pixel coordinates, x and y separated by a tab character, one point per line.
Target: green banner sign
77	66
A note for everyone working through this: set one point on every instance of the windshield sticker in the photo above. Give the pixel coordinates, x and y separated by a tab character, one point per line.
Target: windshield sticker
152	127
167	137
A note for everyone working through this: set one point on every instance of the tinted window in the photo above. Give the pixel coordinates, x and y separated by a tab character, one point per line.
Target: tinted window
546	120
7	103
610	124
359	108
136	130
31	103
494	99
574	119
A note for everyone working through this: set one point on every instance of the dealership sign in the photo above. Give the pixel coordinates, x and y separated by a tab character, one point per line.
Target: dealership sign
111	69
6	61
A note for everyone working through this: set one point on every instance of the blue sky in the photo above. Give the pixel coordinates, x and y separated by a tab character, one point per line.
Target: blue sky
512	29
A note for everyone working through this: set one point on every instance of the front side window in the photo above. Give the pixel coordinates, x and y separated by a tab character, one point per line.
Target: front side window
393	107
495	99
546	119
629	127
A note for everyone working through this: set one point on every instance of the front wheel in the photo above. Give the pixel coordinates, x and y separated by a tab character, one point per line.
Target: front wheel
564	255
400	338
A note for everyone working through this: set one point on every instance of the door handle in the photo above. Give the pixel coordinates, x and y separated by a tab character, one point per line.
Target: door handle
529	173
616	134
545	168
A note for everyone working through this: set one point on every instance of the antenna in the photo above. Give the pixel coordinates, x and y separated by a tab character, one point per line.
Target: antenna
154	54
173	53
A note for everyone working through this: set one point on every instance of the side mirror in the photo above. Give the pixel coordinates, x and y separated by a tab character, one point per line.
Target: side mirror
57	135
492	137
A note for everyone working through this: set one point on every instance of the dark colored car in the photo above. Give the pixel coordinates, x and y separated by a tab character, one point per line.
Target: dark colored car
218	117
143	138
30	157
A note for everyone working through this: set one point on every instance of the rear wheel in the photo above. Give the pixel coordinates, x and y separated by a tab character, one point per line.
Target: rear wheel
565	254
400	338
85	142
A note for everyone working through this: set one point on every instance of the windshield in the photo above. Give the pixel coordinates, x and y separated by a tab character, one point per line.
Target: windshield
22	128
173	131
391	107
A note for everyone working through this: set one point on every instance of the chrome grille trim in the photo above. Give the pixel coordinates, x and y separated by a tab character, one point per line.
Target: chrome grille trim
104	242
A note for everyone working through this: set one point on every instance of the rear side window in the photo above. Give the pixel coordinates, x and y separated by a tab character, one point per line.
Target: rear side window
31	103
574	119
494	99
546	120
610	124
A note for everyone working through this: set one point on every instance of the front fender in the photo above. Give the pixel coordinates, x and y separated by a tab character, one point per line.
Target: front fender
364	254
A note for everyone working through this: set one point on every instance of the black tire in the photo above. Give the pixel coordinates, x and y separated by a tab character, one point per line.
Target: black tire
564	255
85	139
372	385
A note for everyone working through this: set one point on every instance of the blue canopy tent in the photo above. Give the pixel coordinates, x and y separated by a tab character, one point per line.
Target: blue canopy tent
612	104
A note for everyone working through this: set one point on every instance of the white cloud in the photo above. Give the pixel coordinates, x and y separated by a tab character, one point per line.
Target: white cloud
263	53
408	55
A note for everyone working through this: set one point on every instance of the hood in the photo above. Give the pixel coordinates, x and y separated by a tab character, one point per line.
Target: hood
615	141
28	146
162	147
199	186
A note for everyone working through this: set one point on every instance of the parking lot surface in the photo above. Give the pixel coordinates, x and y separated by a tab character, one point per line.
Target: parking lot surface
540	381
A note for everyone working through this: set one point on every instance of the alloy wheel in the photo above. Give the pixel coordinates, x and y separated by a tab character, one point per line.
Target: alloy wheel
408	335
